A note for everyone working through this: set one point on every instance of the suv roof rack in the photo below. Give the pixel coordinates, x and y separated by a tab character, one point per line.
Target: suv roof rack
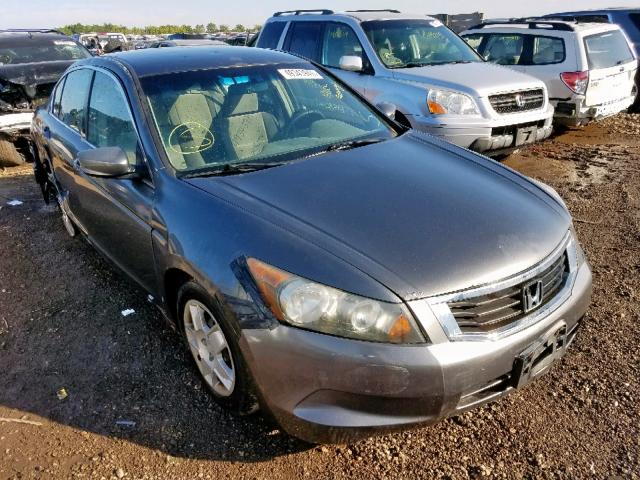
302	12
30	30
531	22
390	10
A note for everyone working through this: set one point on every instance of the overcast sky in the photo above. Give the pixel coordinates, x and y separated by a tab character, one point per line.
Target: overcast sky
54	13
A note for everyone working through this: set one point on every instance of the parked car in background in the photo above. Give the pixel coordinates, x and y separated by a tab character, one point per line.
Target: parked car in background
589	68
343	272
31	61
414	64
628	19
185	43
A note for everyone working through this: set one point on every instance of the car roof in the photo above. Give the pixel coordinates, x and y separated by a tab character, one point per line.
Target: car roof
596	11
25	36
359	15
544	25
159	61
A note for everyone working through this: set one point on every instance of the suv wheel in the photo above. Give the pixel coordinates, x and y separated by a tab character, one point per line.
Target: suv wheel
215	350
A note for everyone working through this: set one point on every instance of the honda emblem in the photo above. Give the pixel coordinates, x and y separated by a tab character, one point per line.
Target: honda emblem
532	295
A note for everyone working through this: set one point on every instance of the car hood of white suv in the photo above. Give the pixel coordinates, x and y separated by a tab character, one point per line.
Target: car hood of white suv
476	78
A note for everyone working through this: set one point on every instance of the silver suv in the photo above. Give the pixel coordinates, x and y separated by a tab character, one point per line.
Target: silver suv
589	68
414	67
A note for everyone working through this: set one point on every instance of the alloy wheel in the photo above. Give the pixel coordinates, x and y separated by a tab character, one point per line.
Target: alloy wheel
209	347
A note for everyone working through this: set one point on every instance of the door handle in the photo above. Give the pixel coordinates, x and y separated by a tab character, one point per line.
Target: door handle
47	132
76	164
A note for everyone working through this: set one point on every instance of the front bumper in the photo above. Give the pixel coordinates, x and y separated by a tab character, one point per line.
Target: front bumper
326	389
489	135
15	124
574	112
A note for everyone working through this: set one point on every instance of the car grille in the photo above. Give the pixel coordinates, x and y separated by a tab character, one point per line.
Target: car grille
493	311
517	101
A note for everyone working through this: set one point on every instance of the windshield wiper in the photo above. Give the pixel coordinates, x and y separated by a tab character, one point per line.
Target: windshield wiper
353	144
232	169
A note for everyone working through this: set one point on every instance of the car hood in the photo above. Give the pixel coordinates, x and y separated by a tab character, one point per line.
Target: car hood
30	75
476	79
414	216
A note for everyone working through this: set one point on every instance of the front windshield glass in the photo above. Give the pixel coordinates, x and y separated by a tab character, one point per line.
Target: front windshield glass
416	43
267	114
49	51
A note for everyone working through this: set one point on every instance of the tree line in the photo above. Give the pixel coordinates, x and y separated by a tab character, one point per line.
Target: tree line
157	29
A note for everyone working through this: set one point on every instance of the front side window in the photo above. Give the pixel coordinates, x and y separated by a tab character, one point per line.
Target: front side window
416	43
504	49
340	41
547	50
270	35
607	49
304	39
73	103
265	114
474	40
110	122
40	50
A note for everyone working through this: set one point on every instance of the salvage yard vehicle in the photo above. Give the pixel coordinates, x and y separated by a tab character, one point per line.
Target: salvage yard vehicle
589	68
628	19
343	272
438	84
195	42
31	61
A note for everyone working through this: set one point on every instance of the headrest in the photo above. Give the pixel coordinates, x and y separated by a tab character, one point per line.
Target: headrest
240	100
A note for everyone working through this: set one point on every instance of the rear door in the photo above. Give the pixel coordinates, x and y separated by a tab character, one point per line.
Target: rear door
612	67
549	56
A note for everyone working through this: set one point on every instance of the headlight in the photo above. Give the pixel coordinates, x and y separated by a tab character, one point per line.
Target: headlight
313	306
442	102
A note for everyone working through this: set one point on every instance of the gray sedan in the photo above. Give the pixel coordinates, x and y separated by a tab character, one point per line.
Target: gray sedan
324	263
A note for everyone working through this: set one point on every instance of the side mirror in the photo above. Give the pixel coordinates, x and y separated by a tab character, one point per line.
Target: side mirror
388	109
351	63
107	162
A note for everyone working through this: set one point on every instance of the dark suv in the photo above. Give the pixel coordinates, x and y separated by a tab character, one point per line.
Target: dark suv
31	61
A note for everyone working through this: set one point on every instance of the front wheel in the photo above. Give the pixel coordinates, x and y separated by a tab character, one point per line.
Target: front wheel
215	350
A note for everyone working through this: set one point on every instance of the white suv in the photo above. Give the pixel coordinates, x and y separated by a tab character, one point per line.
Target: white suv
588	68
416	68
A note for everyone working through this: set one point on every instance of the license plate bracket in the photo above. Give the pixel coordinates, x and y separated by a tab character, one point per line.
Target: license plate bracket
539	356
526	135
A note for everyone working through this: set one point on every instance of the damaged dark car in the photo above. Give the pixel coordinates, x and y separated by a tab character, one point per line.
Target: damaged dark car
31	62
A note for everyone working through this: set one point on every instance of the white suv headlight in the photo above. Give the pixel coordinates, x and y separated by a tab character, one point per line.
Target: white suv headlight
302	303
441	102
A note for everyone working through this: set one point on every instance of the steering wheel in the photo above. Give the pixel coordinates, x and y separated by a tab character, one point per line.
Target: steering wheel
302	119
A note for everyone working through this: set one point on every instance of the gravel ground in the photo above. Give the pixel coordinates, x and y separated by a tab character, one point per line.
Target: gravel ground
61	327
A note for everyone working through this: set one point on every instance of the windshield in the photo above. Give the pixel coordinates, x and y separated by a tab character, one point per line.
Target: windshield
50	51
607	49
270	114
415	43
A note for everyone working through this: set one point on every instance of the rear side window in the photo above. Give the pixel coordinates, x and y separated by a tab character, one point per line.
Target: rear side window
73	104
547	50
607	49
304	39
110	121
271	35
57	97
504	49
635	19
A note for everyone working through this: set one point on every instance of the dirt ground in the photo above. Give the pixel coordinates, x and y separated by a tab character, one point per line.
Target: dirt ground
61	327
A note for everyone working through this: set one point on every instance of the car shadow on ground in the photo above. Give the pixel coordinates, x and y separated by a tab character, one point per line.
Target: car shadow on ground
125	377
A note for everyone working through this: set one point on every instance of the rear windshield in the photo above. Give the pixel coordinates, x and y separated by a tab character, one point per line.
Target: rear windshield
39	51
607	49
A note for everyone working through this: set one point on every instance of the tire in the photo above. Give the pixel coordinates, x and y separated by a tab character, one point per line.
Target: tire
10	156
240	398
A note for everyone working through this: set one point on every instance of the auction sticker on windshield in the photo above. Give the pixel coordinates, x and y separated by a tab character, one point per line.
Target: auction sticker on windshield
299	74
